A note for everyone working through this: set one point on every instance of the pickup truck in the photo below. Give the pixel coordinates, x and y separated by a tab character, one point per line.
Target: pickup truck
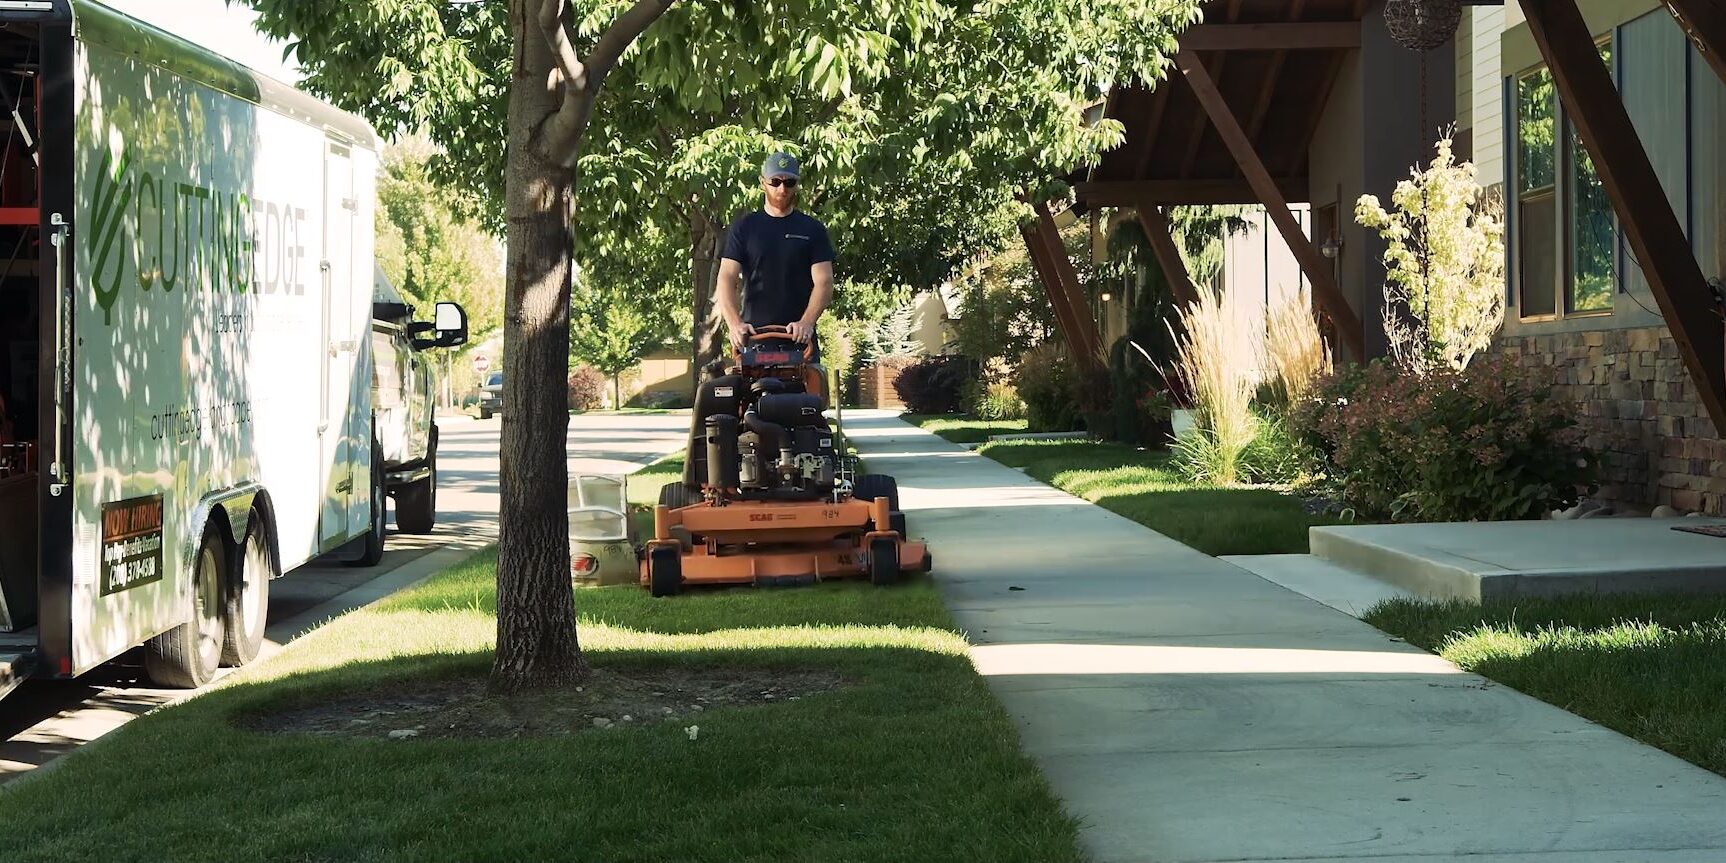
490	395
403	388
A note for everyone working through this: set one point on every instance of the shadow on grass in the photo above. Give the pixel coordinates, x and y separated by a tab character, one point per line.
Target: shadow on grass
1650	666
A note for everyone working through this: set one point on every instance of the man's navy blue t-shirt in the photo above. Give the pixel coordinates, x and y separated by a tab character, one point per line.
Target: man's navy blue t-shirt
776	253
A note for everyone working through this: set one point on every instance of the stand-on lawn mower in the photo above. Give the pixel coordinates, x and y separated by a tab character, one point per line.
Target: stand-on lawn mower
766	497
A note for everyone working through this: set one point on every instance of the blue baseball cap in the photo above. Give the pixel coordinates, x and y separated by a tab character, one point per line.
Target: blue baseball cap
779	164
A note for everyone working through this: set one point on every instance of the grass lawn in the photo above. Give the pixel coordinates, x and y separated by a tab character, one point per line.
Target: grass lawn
1143	487
1651	667
959	428
912	760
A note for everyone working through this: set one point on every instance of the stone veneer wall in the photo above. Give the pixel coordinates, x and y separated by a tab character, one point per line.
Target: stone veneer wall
1639	410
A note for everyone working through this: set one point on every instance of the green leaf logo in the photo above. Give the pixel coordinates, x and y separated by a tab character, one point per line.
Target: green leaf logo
107	216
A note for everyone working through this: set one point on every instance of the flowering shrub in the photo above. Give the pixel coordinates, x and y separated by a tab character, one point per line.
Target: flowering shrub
1477	444
1444	264
586	389
1044	381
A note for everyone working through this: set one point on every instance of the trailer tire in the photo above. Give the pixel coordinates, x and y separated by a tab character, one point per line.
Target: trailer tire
187	656
374	553
883	561
416	503
664	571
873	485
246	608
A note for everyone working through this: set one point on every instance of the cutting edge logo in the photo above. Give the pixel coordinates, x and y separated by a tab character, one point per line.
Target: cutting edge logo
167	231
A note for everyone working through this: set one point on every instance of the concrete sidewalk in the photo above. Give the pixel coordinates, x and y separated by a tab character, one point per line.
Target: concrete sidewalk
1187	710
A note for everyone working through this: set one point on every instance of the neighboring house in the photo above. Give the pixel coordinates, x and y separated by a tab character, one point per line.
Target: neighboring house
1282	104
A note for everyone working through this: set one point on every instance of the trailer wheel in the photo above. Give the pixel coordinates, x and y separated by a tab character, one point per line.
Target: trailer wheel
883	561
374	553
873	485
664	571
246	608
416	504
187	656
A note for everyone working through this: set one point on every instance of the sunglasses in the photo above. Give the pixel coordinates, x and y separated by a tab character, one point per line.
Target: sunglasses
787	182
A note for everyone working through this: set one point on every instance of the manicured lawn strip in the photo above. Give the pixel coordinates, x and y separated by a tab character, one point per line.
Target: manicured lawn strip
959	428
1651	667
915	761
1143	487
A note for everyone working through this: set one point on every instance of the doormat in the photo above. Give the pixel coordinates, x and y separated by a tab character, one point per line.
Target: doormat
1715	530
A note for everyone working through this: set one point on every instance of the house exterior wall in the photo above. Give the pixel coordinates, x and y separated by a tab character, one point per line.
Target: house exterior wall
1335	177
1634	398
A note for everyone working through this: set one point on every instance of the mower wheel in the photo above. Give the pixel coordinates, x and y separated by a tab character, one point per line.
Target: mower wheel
883	561
664	572
873	485
897	519
676	495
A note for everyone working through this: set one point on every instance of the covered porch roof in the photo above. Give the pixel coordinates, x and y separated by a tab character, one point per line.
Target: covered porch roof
1274	62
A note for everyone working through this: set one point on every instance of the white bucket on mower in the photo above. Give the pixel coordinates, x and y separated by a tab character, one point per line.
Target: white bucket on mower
600	550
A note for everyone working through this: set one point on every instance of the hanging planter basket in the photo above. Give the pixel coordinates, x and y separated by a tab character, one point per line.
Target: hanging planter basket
1422	25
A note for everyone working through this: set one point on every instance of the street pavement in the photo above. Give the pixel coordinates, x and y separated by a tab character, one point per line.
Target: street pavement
43	720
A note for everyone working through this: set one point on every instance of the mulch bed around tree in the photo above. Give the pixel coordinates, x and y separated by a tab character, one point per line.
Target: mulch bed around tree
607	700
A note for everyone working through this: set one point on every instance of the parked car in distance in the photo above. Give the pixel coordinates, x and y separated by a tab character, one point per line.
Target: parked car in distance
491	395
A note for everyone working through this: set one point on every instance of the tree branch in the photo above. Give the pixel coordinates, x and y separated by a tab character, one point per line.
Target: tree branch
562	131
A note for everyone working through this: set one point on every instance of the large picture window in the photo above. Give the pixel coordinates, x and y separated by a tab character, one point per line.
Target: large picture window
1566	240
1536	196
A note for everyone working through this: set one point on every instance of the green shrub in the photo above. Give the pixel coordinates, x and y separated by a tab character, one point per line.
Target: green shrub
933	385
993	401
1485	443
586	389
1043	381
1277	455
1201	458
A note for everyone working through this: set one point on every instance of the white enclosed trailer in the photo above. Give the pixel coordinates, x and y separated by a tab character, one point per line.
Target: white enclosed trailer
186	367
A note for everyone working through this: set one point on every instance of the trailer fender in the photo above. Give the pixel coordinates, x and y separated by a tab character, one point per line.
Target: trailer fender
235	505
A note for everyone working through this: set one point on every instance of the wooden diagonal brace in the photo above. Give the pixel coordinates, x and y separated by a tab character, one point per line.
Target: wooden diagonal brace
1317	269
1162	240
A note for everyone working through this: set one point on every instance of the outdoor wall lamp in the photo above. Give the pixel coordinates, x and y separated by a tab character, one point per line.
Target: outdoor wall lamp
1107	296
1332	246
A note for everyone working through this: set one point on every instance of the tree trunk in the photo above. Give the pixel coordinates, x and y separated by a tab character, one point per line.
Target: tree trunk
536	638
707	341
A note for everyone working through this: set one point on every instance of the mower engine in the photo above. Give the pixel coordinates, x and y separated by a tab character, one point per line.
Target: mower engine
766	438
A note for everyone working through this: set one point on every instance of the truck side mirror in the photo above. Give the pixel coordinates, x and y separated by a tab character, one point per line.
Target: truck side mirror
448	328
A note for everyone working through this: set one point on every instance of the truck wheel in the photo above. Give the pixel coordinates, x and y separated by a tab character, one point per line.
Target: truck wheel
416	503
187	656
374	553
484	414
883	561
664	571
246	608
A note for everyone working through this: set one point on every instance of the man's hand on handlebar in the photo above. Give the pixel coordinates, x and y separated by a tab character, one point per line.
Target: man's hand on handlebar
801	331
740	336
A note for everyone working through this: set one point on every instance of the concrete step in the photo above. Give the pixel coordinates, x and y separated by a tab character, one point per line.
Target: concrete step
15	668
1346	590
1400	558
1530	558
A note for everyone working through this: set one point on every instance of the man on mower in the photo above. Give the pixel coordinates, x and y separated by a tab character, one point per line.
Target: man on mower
783	257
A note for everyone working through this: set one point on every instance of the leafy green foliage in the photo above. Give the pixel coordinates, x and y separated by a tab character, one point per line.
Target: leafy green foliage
1045	381
934	385
428	250
1486	443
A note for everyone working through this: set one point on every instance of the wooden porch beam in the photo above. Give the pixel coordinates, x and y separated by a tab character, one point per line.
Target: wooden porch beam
1088	344
1271	37
1273	76
1131	193
1064	319
1650	227
1153	126
1704	21
1317	269
1162	240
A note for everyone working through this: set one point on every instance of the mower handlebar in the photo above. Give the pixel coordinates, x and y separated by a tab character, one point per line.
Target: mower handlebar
779	333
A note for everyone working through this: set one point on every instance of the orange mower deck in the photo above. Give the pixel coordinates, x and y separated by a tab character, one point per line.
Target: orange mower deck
781	542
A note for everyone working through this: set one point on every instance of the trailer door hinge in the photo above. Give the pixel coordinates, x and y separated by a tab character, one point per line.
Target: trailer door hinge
350	204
